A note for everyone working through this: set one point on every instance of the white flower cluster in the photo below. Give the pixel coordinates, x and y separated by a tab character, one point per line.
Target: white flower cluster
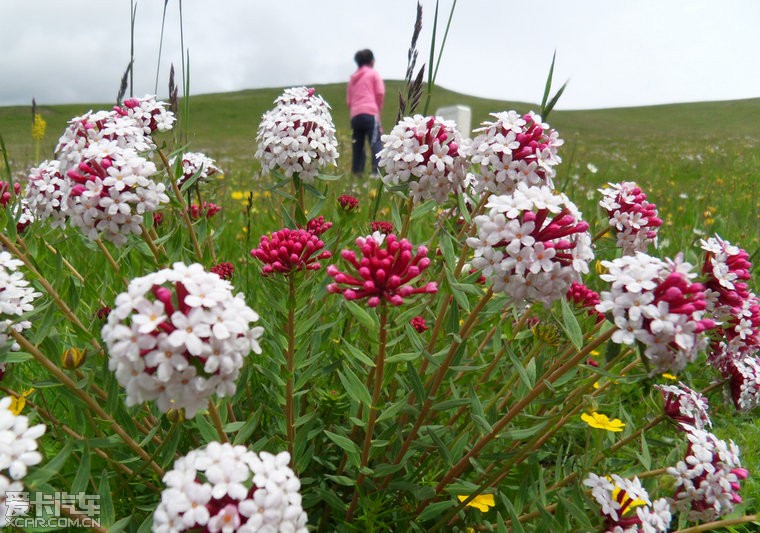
129	126
196	163
16	297
111	191
178	336
532	244
228	488
514	149
297	136
744	381
425	153
618	497
653	302
707	480
685	405
100	182
633	218
305	96
18	451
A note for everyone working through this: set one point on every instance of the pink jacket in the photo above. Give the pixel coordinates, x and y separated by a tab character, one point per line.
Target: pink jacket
366	92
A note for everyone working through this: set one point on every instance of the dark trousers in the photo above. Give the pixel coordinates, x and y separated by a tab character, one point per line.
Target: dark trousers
366	130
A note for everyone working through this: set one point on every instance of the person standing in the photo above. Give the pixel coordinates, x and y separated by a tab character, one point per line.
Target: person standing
365	95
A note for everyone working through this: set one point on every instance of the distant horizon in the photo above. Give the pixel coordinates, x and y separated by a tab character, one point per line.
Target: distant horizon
391	81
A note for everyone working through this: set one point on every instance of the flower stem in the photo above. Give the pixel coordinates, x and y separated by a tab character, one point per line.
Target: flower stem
290	415
109	257
182	206
49	289
217	420
373	409
709	526
149	241
88	400
65	262
407	218
601	234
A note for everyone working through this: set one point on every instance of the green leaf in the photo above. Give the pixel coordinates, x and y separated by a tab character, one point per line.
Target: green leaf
107	513
354	387
356	353
206	429
242	436
82	477
548	86
364	318
571	326
434	510
43	473
346	444
121	525
415	382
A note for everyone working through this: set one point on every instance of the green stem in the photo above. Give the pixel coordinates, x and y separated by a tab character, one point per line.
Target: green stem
88	400
182	206
379	374
720	523
217	420
290	416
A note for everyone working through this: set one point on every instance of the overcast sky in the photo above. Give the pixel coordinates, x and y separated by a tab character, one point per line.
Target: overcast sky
614	52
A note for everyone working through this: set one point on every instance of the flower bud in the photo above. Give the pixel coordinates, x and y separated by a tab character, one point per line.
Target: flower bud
175	415
72	358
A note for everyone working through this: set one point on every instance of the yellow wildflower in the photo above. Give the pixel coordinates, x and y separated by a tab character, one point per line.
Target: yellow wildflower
38	127
600	268
600	421
670	376
239	195
481	502
18	402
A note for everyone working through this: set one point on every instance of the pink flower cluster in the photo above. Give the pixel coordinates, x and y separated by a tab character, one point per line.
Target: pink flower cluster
707	480
633	218
348	203
685	406
655	303
736	342
514	149
318	226
419	324
178	336
424	153
619	497
298	135
224	270
228	488
586	298
381	226
289	250
532	245
7	192
207	210
384	273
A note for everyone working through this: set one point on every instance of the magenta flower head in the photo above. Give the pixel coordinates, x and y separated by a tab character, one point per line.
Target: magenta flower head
289	250
426	154
585	297
381	226
7	192
385	272
224	270
348	203
419	324
514	149
318	226
633	218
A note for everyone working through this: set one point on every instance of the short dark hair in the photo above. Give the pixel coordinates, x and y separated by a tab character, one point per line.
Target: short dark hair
364	57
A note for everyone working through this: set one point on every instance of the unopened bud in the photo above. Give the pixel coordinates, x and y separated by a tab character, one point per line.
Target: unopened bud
175	415
73	358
